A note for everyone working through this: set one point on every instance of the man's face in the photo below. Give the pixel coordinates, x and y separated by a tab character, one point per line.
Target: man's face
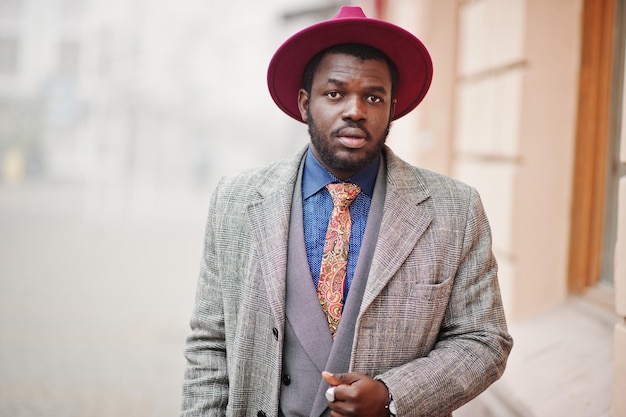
348	112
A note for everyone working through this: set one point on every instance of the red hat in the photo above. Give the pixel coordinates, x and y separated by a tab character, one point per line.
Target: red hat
350	25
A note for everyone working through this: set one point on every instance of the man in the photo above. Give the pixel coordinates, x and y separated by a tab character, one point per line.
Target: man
343	281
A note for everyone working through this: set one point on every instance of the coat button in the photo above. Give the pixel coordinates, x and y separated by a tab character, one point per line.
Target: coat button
275	332
261	414
286	379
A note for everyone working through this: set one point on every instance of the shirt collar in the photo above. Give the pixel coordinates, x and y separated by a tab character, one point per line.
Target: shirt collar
315	176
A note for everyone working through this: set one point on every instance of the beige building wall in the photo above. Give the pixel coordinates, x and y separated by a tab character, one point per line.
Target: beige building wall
501	115
424	137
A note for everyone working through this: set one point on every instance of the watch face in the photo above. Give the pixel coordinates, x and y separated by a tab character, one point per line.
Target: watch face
392	407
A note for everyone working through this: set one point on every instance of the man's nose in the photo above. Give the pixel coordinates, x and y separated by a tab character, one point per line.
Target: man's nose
354	109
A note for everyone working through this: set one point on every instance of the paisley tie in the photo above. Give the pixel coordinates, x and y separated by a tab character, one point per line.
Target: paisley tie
335	258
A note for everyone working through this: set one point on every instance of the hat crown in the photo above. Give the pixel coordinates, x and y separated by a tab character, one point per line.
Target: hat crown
350	11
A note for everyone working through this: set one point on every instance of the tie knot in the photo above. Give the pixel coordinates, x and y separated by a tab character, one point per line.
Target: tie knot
343	193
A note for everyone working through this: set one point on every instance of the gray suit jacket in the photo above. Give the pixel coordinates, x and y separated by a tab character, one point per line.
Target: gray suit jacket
430	323
308	347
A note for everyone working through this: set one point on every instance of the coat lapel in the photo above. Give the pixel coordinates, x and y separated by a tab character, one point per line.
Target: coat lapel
407	214
269	224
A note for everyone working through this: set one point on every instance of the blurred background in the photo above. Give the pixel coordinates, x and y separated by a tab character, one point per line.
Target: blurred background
117	117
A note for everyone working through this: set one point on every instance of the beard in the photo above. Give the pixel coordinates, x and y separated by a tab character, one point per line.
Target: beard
330	158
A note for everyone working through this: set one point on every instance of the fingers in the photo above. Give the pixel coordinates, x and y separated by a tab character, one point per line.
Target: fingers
339	380
355	394
342	379
332	379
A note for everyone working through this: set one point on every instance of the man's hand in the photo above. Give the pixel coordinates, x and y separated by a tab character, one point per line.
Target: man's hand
357	395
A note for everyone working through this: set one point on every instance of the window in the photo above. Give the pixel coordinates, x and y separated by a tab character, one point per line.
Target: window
596	166
616	167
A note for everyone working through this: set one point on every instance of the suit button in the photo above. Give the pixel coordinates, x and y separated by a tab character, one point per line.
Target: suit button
275	332
261	414
286	379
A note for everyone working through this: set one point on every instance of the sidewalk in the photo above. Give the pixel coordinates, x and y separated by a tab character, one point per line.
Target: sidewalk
560	366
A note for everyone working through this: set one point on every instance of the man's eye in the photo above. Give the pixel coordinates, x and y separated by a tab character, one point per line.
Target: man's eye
374	99
333	94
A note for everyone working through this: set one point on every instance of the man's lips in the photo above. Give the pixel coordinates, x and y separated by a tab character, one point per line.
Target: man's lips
351	142
352	138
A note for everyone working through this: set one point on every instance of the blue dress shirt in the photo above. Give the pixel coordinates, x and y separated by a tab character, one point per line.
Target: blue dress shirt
317	206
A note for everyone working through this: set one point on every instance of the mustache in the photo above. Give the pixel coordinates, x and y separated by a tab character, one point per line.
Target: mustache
351	124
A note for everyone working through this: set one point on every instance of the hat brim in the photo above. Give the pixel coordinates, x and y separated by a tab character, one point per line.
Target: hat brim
413	62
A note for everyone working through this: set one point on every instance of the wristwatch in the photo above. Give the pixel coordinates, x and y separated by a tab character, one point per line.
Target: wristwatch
391	406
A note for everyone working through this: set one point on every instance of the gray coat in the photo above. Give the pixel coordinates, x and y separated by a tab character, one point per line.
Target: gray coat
430	323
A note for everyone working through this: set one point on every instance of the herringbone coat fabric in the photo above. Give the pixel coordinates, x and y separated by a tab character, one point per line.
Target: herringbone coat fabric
431	323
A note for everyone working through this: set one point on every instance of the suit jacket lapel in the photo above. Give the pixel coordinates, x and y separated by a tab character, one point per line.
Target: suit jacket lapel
303	308
339	358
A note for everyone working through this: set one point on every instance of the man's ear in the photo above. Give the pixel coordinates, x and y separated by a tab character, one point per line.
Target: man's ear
392	109
303	104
